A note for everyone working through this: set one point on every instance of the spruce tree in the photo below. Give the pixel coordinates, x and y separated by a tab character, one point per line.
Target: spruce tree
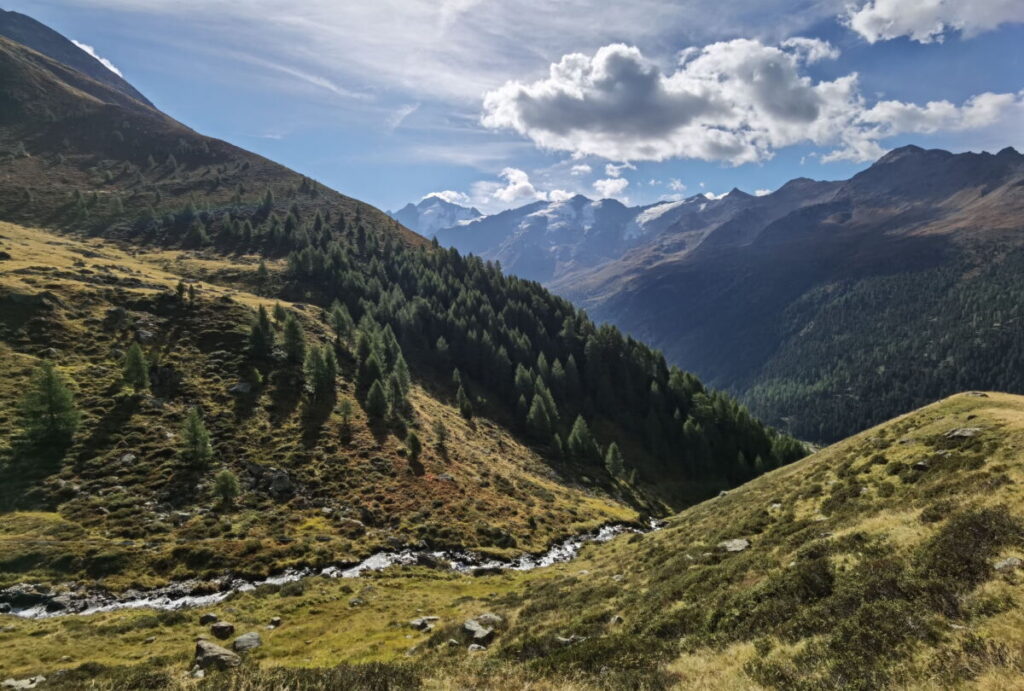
613	461
136	369
280	313
345	412
376	402
48	413
261	335
581	443
341	320
465	405
440	436
538	422
414	446
294	341
195	448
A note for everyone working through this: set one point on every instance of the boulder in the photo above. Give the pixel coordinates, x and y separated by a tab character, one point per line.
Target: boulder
476	648
736	545
481	628
240	389
963	433
423	623
921	466
567	641
222	630
208	618
1008	564
212	655
246	642
29	683
275	622
616	620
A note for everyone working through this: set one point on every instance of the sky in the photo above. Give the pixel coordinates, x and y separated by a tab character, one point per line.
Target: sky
498	103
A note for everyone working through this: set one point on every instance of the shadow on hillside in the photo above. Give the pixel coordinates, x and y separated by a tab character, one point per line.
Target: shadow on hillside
314	415
112	422
285	393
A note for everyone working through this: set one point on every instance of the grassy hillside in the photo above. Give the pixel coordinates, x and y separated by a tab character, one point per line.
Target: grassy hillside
122	507
877	562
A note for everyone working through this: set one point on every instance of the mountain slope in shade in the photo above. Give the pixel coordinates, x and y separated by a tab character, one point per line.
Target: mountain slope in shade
29	32
874	295
432	214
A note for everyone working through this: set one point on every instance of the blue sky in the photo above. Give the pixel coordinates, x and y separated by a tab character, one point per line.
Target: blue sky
499	103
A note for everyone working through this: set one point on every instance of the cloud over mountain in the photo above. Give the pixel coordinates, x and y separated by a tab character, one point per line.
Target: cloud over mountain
736	101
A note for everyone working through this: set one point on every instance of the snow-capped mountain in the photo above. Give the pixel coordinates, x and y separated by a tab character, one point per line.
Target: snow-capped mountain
544	239
432	214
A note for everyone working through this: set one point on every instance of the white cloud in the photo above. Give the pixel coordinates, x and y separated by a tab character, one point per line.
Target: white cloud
400	114
450	196
931	20
103	61
559	195
611	187
615	171
676	185
712	196
762	193
516	189
449	50
581	169
736	101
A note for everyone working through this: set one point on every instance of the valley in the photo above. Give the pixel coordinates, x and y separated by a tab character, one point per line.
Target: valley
258	434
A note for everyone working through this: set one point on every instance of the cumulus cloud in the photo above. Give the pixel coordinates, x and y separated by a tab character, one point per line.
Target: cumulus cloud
450	196
762	193
581	169
676	185
515	189
610	188
103	61
735	101
559	195
931	20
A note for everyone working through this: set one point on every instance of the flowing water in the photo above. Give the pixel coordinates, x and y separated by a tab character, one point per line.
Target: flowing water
180	595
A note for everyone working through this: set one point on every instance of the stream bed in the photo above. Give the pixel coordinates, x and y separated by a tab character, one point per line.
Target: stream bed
40	602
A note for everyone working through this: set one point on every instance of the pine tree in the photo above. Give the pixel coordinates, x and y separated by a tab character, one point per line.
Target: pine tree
180	291
440	436
225	485
465	405
262	272
414	446
136	369
195	449
294	340
538	422
345	412
48	413
280	313
376	401
341	320
613	461
261	335
581	443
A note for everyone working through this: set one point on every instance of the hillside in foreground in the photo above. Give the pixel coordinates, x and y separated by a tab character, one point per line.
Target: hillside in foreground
889	560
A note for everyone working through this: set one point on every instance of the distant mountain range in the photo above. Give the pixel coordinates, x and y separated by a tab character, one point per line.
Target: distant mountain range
432	214
778	298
